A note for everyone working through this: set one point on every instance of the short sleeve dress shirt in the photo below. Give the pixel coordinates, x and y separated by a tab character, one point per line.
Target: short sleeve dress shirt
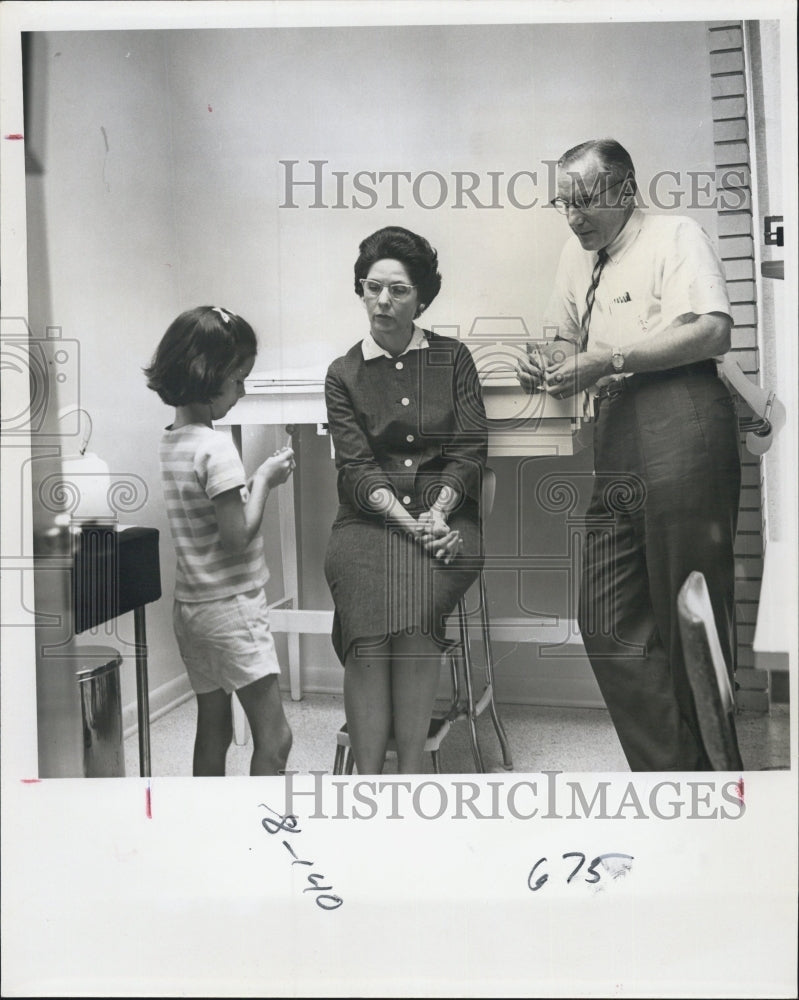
659	267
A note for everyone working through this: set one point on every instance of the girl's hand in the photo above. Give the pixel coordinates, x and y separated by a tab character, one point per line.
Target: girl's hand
278	467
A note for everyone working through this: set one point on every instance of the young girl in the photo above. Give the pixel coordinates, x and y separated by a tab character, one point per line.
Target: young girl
220	616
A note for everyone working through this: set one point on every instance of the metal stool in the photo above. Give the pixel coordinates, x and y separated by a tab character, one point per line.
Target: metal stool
459	654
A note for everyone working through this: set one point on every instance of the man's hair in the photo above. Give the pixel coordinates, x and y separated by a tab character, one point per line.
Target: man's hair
611	154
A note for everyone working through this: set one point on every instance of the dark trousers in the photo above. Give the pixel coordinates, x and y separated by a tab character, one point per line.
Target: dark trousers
665	503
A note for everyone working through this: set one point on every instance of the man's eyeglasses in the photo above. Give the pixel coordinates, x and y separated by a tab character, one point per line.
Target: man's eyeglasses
584	205
398	290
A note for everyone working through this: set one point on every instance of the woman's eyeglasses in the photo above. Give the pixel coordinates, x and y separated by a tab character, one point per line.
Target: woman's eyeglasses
398	290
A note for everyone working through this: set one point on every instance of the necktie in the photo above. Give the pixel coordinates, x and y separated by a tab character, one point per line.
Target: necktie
601	260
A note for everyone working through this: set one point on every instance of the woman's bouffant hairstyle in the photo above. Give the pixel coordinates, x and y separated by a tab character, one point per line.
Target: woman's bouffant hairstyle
414	252
197	353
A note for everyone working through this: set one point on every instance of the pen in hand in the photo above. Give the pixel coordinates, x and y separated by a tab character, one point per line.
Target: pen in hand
533	381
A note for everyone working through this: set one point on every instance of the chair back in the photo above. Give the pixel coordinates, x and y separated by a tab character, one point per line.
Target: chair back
707	673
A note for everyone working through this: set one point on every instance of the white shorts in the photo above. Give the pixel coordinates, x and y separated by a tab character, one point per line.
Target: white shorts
226	643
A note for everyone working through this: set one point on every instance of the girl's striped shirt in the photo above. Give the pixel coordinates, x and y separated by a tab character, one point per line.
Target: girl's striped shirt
197	464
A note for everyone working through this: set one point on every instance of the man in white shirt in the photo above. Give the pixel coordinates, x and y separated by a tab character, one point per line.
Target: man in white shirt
643	300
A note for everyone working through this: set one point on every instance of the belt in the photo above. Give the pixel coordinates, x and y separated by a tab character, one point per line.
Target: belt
629	383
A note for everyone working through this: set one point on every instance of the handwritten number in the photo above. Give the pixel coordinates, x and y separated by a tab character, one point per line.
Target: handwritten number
335	903
541	880
592	870
593	875
326	900
288	823
580	863
314	886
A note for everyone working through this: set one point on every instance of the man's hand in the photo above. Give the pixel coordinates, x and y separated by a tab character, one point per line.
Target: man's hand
576	373
530	372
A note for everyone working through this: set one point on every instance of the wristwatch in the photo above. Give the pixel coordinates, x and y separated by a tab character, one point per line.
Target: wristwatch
617	360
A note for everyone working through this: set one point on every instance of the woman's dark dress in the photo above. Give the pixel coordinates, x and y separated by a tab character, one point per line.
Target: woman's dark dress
410	424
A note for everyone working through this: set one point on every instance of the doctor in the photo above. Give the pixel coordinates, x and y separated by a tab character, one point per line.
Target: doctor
643	300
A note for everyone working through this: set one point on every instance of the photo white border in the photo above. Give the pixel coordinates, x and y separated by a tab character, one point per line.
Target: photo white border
200	899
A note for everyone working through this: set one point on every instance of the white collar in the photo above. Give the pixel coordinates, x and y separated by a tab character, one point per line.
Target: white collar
371	349
625	239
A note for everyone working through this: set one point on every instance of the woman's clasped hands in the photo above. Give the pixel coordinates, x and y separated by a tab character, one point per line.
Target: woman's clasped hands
435	535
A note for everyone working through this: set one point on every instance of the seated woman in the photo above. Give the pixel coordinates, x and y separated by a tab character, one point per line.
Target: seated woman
406	415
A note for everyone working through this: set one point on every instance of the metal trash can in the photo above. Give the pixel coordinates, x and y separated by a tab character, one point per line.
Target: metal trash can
101	711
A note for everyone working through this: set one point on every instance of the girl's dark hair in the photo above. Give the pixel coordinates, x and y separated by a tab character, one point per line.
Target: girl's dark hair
414	252
197	353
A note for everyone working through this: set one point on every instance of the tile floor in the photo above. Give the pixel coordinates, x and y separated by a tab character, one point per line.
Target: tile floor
541	739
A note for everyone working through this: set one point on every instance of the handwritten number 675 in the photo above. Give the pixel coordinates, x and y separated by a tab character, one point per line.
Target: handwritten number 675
535	882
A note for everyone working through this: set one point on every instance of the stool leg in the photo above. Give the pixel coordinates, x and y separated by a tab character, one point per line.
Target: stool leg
492	706
467	672
338	763
503	739
142	690
452	655
436	761
350	763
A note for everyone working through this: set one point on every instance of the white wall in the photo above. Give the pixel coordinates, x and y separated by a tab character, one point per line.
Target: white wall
103	256
162	190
